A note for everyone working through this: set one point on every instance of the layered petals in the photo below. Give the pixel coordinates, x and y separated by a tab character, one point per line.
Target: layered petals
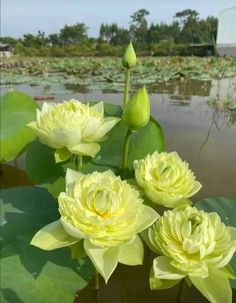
105	213
74	126
196	245
166	179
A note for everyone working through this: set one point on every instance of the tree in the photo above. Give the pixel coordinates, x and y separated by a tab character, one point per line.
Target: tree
103	34
8	40
186	16
37	41
188	20
139	26
211	28
163	31
113	34
108	31
54	39
73	34
122	37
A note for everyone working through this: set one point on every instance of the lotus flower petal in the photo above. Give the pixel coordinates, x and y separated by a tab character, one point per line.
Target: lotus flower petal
72	125
52	236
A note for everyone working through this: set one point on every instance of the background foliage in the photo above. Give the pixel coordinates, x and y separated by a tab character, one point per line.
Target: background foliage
157	38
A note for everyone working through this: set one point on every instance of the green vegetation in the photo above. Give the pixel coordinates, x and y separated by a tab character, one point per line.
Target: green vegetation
157	39
107	73
17	109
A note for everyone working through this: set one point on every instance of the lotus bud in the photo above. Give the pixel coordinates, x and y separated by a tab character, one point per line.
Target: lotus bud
137	111
129	59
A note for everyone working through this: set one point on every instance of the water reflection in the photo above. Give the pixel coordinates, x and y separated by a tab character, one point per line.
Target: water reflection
76	88
184	88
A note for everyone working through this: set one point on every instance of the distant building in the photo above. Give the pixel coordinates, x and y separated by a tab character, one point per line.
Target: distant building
201	49
6	50
226	35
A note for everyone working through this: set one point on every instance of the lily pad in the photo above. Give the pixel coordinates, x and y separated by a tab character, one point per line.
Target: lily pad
40	163
17	109
29	274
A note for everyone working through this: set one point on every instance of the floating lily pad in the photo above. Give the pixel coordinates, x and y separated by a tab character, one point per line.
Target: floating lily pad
29	274
17	109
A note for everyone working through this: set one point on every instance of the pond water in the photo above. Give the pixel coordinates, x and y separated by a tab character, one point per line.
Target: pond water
199	120
202	134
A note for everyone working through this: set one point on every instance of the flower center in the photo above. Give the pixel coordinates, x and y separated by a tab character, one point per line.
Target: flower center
195	220
104	202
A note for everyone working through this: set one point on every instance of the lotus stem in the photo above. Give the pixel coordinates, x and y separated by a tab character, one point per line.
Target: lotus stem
180	292
95	296
127	83
126	153
78	162
96	280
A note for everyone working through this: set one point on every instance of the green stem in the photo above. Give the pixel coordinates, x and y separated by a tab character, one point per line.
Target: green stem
126	92
78	162
96	280
179	297
126	153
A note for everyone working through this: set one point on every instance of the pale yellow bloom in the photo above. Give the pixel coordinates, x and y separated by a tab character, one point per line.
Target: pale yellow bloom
104	209
193	241
73	125
105	213
194	245
166	179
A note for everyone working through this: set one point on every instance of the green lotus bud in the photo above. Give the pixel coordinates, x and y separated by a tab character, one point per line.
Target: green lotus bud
129	58
137	111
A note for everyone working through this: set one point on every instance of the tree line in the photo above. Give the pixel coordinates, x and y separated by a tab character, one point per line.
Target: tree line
186	29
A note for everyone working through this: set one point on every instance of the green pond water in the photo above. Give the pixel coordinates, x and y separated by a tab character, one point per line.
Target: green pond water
199	121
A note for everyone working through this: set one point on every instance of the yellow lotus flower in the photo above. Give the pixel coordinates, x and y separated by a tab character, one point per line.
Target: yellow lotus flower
104	211
196	245
166	179
72	127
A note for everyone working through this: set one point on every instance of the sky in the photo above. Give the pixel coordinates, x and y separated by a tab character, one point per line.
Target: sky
19	17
